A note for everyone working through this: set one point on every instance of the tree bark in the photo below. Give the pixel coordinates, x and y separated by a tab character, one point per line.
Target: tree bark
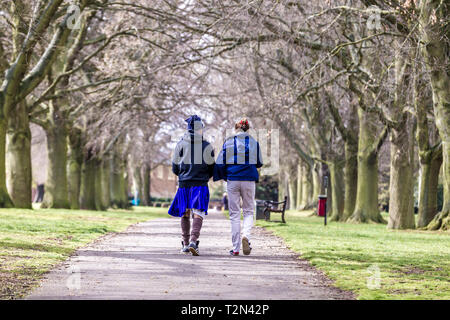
282	190
56	194
18	157
74	164
5	199
307	188
442	219
366	206
119	198
401	184
299	186
145	191
350	178
137	181
106	182
429	178
401	193
433	16
87	186
337	191
292	192
98	188
316	185
430	157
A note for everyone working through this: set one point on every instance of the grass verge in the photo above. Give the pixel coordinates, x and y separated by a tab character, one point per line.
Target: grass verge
368	259
34	241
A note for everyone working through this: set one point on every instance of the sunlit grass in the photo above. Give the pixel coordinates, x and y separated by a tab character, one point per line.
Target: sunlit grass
411	264
33	241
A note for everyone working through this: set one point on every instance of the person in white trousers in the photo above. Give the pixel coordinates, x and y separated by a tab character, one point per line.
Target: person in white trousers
237	164
237	190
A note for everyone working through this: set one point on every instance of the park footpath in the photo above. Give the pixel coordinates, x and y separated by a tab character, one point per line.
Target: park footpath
145	262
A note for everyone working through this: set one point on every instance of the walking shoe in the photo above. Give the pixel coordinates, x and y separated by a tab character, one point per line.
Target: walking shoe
184	249
233	253
246	246
193	248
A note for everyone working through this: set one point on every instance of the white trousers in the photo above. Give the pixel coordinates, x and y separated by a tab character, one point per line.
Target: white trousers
237	190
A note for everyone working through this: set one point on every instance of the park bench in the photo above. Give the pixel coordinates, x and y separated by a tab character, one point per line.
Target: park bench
273	206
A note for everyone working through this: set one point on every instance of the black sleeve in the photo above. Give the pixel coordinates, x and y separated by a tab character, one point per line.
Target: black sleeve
175	161
259	161
176	168
211	165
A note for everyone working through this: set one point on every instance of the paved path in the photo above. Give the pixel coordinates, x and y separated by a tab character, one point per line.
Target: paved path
144	263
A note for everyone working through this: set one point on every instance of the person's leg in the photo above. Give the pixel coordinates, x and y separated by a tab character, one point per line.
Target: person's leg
185	227
248	208
197	223
234	195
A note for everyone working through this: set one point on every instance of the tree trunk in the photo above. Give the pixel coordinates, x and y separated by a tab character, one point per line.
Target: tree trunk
442	219
337	191
430	158
299	186
98	188
401	193
18	157
106	183
292	192
5	200
74	164
119	198
316	185
306	188
282	192
145	189
87	187
137	182
125	186
366	206
56	194
350	178
433	16
429	178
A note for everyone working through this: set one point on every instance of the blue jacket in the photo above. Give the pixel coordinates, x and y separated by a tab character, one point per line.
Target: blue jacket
193	161
239	159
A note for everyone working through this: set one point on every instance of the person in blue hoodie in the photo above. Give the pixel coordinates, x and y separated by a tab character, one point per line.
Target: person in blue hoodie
193	163
237	163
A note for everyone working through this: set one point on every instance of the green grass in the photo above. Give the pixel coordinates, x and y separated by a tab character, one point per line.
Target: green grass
410	264
34	241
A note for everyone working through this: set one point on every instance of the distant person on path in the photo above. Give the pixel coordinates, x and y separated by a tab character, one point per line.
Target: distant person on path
237	163
193	163
225	201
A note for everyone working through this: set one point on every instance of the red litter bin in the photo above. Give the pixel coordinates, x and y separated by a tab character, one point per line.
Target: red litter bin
322	206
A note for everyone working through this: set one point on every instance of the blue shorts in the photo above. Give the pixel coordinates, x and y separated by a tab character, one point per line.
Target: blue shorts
190	198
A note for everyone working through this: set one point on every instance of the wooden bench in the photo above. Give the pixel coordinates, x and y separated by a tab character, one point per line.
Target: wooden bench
272	206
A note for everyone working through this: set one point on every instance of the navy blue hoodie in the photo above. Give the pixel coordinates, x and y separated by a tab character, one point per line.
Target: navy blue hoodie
239	159
193	160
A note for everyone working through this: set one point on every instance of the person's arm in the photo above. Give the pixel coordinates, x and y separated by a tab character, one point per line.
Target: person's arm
211	166
176	158
259	161
220	166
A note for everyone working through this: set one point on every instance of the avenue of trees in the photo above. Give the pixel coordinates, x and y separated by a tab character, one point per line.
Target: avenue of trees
359	91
